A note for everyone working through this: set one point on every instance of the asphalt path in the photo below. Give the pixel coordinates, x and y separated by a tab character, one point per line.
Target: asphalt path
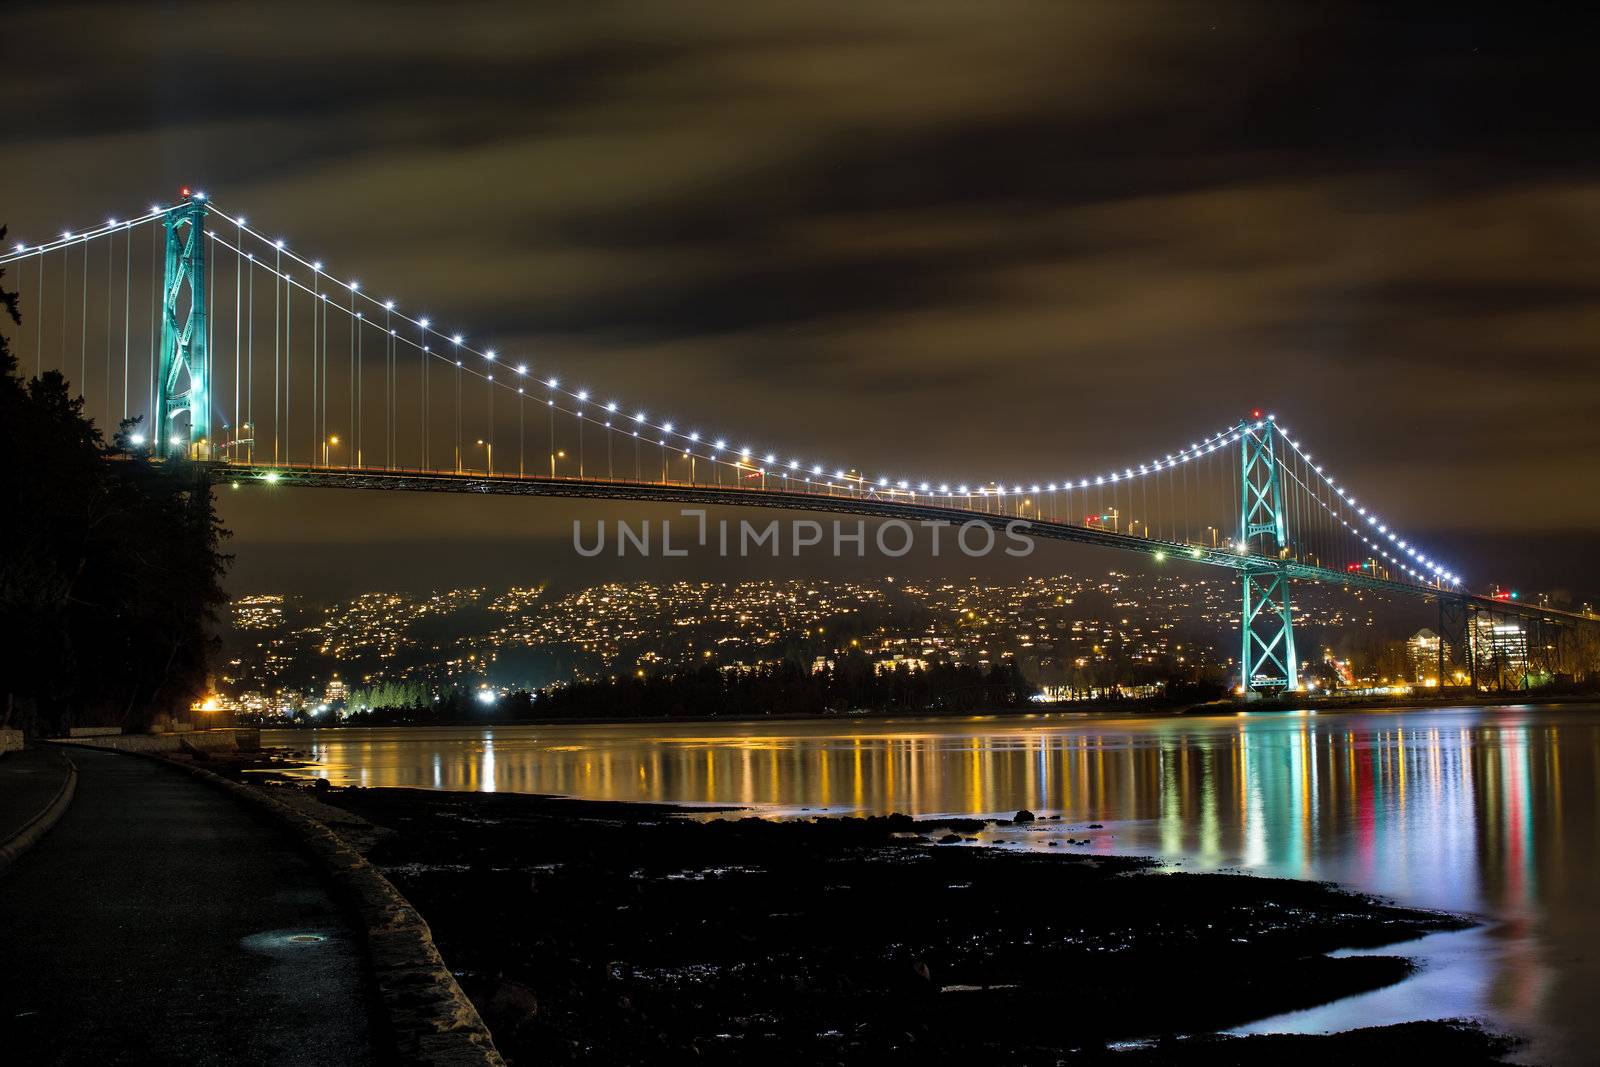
160	922
29	780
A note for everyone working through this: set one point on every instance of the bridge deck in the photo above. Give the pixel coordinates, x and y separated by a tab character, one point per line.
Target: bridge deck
799	496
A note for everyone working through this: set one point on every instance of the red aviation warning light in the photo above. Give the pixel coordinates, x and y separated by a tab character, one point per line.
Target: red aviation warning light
1256	414
184	191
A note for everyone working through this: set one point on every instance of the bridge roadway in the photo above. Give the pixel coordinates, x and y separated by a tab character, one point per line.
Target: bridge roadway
870	502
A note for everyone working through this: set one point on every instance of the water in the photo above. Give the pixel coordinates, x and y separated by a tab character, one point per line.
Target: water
1493	812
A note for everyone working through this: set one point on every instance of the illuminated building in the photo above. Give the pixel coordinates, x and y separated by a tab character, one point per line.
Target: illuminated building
1422	656
1500	645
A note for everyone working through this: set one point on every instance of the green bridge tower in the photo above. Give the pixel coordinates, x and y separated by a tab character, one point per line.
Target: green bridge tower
183	378
1267	662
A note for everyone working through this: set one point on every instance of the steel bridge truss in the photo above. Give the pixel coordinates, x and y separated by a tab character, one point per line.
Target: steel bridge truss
1456	623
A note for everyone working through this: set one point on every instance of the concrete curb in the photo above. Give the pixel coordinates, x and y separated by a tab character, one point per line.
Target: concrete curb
430	1019
36	827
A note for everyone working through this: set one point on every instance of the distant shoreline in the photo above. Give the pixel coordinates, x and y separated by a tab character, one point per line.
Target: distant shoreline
1096	709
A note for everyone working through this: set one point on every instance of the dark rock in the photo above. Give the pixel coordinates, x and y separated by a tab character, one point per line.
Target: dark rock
1023	816
960	826
510	1008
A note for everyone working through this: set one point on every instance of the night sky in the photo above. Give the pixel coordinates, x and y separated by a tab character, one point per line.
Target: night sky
963	240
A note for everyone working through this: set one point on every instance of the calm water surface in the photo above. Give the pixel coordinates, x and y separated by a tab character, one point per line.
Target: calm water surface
1488	811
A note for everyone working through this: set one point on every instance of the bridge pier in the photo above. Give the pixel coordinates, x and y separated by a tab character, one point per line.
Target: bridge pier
1456	623
1267	660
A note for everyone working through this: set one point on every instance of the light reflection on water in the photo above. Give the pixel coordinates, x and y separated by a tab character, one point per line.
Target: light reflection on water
1486	811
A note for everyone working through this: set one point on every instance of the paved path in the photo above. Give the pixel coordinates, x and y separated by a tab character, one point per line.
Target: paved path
29	780
157	922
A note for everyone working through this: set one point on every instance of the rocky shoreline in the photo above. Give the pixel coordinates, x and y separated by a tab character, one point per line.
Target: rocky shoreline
635	934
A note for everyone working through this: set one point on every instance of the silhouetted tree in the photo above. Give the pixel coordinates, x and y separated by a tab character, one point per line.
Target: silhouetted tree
110	569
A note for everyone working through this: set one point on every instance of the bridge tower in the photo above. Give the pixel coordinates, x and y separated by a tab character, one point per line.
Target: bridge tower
183	342
1267	661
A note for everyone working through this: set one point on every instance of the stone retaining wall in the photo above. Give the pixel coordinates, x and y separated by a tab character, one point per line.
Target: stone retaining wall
10	740
241	739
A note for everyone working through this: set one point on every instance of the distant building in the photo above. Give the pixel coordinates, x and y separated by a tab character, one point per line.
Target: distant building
1500	645
335	694
1422	656
889	666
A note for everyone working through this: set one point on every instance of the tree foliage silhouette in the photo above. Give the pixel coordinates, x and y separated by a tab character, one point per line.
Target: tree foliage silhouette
110	565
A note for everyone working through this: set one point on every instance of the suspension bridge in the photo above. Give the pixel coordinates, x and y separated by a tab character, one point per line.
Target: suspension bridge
209	342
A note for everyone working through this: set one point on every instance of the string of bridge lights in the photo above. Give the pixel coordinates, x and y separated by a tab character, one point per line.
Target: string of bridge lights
640	418
1374	522
22	250
717	445
689	440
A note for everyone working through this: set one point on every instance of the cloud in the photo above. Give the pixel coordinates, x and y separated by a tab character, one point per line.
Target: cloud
953	237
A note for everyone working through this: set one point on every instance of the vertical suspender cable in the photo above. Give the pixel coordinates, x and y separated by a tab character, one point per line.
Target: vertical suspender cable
211	333
1300	534
356	325
422	357
316	372
157	239
1236	464
83	328
288	368
326	399
277	382
1186	537
238	318
388	389
61	342
127	296
250	363
353	453
111	241
38	323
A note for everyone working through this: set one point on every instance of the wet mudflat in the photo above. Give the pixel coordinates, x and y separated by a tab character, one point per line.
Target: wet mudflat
629	933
